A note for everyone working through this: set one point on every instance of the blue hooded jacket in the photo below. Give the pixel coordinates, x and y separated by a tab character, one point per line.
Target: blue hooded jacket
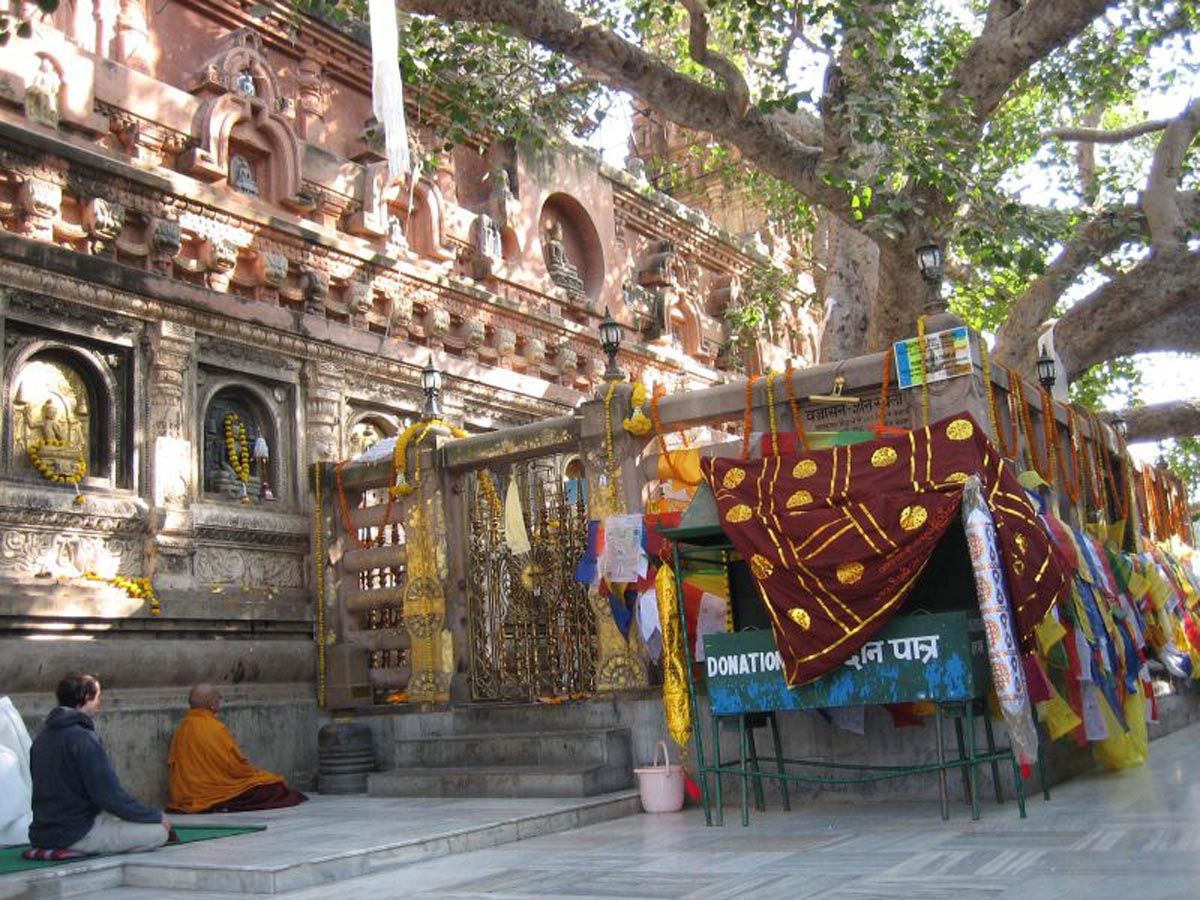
73	781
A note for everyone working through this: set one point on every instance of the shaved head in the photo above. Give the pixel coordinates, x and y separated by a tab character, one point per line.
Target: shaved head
202	696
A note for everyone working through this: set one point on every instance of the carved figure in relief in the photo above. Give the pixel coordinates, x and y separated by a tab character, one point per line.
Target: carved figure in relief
502	204
242	177
363	437
396	241
244	84
51	419
560	269
41	97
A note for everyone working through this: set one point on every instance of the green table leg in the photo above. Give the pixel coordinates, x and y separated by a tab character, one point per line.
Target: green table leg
745	751
991	746
783	787
760	802
716	739
943	789
1020	785
962	754
972	779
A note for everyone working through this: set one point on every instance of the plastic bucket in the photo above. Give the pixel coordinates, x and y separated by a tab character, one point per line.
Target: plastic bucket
661	786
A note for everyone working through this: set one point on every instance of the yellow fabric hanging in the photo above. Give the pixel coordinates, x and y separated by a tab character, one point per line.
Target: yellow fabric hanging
676	706
515	534
1048	633
681	468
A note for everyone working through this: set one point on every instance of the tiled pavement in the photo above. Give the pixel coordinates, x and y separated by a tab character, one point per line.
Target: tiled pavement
1132	835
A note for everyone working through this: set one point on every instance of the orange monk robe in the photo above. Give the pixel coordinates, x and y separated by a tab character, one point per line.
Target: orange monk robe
207	766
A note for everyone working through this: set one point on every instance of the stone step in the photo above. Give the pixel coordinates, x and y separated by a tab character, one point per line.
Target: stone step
296	853
491	718
500	781
609	746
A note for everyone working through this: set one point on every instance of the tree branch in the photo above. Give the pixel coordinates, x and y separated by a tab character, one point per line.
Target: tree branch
1160	199
1093	135
1174	419
624	66
1126	314
737	94
1011	43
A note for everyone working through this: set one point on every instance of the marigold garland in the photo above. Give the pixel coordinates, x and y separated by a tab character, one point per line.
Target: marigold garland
660	391
415	434
1035	460
1071	476
237	446
1050	432
924	344
47	471
137	588
344	505
771	421
1008	449
636	423
610	460
794	407
748	418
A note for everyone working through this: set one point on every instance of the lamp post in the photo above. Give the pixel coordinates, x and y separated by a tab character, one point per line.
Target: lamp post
1047	371
431	384
929	262
262	455
610	343
1161	463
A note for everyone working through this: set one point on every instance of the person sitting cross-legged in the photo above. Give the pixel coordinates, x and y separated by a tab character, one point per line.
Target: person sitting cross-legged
78	802
209	772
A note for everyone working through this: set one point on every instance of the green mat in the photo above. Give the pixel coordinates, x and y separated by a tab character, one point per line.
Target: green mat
11	861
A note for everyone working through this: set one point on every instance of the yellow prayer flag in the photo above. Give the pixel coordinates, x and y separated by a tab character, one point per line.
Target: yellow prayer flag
1116	534
1138	585
1058	717
1048	633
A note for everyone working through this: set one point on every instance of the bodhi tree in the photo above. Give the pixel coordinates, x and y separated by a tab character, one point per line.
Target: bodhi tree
931	122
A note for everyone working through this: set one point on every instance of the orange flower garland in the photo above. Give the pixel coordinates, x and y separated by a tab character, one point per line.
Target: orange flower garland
797	421
1035	461
344	505
771	420
748	418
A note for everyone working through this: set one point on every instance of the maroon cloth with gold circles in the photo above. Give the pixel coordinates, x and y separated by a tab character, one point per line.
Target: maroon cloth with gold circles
837	538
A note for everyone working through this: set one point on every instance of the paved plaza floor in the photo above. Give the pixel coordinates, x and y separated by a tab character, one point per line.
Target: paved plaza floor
1126	835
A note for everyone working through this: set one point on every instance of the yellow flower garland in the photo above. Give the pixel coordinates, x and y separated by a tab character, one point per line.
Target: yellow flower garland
402	487
47	471
637	422
137	588
237	446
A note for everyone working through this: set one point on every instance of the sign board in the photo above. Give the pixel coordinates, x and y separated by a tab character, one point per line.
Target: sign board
919	657
947	354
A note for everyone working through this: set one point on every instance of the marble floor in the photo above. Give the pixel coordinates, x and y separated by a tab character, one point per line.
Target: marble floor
1126	835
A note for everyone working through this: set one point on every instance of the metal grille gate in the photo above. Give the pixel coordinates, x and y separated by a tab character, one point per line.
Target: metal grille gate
532	627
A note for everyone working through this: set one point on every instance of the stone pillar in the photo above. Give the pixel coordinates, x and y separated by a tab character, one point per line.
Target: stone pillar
323	410
171	464
106	13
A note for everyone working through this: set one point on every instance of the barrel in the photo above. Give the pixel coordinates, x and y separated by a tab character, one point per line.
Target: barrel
345	756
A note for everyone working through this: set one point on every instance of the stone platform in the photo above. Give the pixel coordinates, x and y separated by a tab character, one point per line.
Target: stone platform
328	839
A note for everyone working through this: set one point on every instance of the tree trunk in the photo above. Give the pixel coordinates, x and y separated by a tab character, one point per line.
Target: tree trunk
901	297
851	283
1175	419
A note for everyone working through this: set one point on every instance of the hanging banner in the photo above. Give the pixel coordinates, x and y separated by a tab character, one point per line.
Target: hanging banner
947	354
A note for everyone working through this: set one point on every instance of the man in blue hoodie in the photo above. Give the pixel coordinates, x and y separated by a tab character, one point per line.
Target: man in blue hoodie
78	803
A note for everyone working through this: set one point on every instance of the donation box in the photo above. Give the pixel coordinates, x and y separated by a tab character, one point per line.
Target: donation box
938	657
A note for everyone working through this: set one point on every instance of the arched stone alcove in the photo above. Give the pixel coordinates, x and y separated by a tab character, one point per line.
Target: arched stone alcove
238	412
570	242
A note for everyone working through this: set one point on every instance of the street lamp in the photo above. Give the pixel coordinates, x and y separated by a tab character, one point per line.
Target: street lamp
262	455
610	343
929	262
431	384
1047	371
1161	463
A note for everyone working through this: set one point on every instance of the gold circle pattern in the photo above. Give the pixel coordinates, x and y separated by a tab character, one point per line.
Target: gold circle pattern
739	513
913	517
960	430
957	478
800	617
884	456
733	478
800	498
806	468
761	567
850	572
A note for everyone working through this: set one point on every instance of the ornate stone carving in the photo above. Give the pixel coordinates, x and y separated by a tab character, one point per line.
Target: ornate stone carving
502	206
566	361
487	246
271	268
313	94
51	418
437	326
402	307
505	340
171	349
248	568
241	175
560	269
322	403
133	36
396	244
40	202
166	240
359	299
103	220
220	257
314	286
41	96
535	352
65	544
473	332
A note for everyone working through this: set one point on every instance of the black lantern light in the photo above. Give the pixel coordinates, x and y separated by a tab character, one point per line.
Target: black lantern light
1161	463
929	262
431	384
610	342
1047	371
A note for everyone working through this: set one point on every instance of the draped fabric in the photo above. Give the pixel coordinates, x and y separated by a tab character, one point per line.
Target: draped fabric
837	538
207	767
387	88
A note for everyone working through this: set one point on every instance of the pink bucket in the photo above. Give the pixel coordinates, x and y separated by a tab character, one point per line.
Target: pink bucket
661	786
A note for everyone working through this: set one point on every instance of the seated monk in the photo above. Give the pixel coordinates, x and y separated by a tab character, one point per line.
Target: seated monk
209	773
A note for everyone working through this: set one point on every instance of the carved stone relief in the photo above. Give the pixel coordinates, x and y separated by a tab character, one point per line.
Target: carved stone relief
42	94
254	568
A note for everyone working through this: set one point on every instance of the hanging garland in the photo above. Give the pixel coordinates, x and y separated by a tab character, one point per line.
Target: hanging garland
237	446
415	434
794	407
1007	446
636	423
1071	475
137	588
748	417
344	505
771	421
924	374
1050	433
610	459
1035	460
660	391
47	471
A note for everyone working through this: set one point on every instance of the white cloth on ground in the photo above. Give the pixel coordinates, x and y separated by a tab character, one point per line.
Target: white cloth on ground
16	785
